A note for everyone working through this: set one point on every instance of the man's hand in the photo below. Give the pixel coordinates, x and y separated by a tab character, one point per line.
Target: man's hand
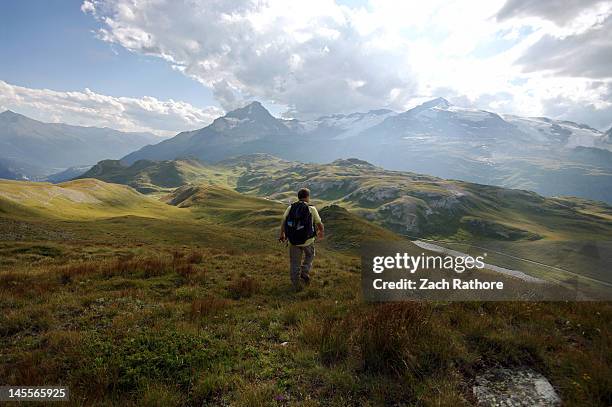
281	236
320	231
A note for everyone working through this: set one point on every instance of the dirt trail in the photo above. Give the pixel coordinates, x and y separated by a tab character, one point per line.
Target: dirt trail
513	273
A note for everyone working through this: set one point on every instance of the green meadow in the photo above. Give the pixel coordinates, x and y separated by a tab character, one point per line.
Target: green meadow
182	297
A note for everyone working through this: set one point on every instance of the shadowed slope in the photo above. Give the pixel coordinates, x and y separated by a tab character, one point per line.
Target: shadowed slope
347	231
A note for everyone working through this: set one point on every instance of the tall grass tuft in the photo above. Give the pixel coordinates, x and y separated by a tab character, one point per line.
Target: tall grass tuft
203	307
388	334
147	266
195	257
242	287
335	341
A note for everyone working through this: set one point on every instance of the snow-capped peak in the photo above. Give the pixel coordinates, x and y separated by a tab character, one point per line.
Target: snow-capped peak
437	102
254	110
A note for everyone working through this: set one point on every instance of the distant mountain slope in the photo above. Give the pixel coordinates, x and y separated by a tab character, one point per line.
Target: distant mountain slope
6	172
440	119
421	205
537	154
547	156
340	126
46	148
150	176
68	174
18	170
244	130
81	199
407	203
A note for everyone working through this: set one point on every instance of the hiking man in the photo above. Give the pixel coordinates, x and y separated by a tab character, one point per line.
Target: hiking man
298	226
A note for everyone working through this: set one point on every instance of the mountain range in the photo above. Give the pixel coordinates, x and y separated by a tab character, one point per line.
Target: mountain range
437	138
30	149
553	158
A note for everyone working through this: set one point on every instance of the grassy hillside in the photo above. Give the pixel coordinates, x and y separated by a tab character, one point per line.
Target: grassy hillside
196	308
226	207
567	233
420	205
347	231
516	222
79	199
222	205
158	176
406	203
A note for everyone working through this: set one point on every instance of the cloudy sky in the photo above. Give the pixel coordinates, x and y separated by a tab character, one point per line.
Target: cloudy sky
167	66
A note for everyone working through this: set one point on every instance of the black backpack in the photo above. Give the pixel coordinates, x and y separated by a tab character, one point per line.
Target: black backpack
298	225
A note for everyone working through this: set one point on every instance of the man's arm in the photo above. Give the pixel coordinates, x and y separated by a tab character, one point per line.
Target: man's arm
320	231
281	235
318	223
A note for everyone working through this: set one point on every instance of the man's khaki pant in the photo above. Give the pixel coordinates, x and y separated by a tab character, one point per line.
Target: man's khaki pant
300	269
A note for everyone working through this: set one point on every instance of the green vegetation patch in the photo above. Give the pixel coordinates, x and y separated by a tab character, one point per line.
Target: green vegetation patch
168	356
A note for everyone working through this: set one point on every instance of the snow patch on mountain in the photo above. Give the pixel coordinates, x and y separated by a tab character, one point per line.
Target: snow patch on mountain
354	124
446	110
346	125
568	134
472	115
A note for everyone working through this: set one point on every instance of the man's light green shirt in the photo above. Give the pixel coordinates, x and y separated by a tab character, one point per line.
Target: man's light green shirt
316	219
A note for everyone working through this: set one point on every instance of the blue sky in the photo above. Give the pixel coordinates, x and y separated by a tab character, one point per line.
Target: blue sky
51	44
168	66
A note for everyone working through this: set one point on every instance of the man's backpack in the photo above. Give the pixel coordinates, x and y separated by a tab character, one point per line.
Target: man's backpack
298	225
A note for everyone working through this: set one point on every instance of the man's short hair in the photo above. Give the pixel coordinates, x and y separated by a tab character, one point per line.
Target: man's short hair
303	193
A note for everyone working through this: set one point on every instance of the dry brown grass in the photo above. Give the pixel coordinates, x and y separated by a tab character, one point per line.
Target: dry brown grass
148	266
26	285
243	287
184	269
195	257
387	333
335	341
109	318
204	307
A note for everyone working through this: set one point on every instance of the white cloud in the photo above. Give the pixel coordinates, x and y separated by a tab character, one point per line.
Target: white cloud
319	57
88	108
565	13
303	55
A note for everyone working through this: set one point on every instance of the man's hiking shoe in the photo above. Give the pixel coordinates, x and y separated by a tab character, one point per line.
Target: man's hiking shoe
305	279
